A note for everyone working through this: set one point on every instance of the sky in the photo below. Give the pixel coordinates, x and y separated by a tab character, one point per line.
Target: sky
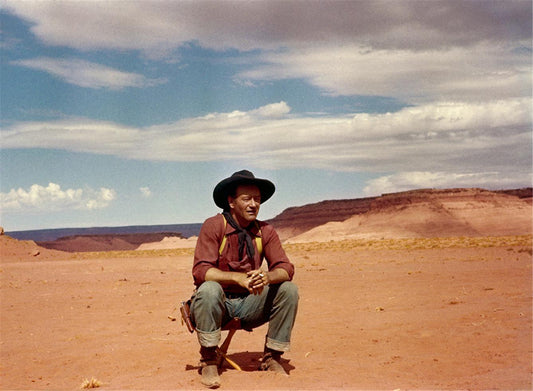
121	113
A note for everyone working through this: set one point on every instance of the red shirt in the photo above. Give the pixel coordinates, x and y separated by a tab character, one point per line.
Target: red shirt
207	247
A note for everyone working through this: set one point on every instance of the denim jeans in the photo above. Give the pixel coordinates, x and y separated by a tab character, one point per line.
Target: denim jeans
277	305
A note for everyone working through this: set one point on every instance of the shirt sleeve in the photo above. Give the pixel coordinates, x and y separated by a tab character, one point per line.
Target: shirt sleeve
207	245
273	251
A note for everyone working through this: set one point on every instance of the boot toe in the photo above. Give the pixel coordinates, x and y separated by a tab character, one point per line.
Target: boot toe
272	365
210	377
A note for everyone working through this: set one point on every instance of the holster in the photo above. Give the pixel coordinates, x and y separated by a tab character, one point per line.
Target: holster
185	310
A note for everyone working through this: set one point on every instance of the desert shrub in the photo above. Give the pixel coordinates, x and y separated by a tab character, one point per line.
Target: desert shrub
93	383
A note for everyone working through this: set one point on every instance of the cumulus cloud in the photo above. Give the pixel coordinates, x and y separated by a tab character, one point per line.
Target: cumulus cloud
145	192
438	137
53	198
88	74
274	110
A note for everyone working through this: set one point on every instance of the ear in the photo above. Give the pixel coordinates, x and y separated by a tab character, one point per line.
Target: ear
231	202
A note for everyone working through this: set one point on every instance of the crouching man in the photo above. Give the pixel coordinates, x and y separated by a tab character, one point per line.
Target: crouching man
230	281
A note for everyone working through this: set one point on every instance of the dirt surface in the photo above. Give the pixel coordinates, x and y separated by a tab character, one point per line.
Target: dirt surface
381	315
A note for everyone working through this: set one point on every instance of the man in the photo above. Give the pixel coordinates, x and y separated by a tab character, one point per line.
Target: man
229	279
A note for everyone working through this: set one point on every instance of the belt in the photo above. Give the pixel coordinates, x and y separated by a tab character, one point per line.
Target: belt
236	295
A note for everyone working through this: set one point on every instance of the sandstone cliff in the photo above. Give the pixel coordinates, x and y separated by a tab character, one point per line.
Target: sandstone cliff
431	213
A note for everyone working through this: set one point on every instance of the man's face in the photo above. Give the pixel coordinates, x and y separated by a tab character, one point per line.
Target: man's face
245	205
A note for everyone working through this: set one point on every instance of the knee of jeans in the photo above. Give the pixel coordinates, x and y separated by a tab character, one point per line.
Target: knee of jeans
289	290
210	290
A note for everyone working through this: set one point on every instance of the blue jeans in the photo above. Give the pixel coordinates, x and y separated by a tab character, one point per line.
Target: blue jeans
277	305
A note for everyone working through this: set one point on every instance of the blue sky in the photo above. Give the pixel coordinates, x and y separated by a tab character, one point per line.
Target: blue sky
125	113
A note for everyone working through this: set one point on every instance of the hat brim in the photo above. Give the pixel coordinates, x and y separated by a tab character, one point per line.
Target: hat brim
224	187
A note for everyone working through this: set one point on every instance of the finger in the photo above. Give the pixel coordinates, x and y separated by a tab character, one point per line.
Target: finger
258	284
258	277
264	278
250	285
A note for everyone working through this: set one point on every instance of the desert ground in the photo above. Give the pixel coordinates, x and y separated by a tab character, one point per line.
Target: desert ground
396	314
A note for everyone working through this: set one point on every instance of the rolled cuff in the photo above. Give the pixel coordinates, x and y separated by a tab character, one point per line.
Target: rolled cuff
278	345
209	339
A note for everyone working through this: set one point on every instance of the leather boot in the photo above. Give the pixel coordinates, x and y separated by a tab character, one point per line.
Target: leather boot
209	370
271	361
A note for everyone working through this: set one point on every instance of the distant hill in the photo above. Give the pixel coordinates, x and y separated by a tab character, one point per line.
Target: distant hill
14	250
47	235
106	242
297	220
430	213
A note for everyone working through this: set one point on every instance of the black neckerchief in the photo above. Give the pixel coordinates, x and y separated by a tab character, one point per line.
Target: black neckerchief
244	237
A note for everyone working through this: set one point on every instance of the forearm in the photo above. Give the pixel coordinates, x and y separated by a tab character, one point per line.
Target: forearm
253	281
225	277
278	276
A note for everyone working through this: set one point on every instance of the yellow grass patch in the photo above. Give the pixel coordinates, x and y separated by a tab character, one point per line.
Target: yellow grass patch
525	241
173	252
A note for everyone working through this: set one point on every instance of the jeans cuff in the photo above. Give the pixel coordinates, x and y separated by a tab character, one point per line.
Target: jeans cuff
209	339
277	345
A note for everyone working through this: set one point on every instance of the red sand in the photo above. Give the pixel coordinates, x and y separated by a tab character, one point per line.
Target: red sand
370	318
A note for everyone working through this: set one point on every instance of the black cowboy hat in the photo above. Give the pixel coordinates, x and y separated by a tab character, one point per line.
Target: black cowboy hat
244	177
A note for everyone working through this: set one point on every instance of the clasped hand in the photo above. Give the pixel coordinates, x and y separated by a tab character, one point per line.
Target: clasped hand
256	280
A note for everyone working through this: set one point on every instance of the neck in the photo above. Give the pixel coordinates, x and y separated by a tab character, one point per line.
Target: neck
240	222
